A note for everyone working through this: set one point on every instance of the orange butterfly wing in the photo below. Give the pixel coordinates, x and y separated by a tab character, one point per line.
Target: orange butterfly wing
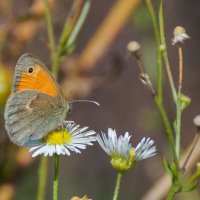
38	80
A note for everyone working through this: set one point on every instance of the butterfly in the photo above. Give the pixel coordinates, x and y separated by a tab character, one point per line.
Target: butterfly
36	105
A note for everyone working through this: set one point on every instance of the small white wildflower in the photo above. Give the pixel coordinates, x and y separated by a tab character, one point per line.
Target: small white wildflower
72	138
123	155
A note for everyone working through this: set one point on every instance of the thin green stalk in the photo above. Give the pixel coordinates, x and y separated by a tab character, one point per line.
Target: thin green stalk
72	37
178	104
178	125
70	22
117	187
55	65
49	28
158	52
163	49
80	22
42	178
167	126
56	172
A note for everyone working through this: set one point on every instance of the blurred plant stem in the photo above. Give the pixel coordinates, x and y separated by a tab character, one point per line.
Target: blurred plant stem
49	28
42	178
117	187
158	52
163	49
69	35
79	24
56	172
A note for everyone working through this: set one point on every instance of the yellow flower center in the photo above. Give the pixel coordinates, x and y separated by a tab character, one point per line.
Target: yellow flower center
58	137
122	163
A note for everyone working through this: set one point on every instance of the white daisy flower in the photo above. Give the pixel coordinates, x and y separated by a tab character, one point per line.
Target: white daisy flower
123	155
72	138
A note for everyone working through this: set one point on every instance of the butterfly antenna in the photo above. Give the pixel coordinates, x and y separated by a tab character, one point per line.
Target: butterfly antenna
87	101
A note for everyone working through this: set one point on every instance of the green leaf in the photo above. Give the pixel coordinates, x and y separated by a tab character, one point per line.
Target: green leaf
167	168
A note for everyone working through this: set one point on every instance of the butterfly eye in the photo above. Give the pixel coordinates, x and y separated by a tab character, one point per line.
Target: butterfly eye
30	70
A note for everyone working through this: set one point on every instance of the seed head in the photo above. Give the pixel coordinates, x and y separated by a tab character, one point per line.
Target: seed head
180	35
133	47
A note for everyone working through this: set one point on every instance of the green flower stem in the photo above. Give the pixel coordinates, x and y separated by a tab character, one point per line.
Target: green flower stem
178	125
158	52
172	193
70	22
163	49
180	53
42	178
55	182
49	28
67	41
117	187
80	22
167	126
178	104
